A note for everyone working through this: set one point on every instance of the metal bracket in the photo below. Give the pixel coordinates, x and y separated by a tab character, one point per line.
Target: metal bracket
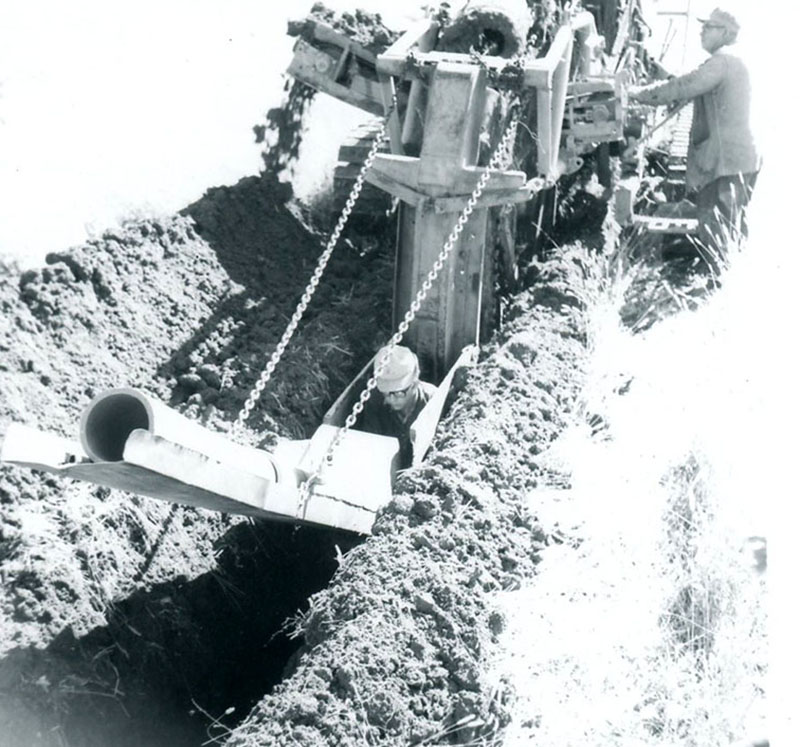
330	62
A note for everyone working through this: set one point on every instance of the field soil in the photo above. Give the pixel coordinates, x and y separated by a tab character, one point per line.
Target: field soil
395	649
125	618
128	621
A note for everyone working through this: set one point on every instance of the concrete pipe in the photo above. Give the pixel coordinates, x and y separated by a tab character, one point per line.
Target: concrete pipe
493	27
112	416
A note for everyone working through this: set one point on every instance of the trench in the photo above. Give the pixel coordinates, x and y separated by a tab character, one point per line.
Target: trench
182	662
186	662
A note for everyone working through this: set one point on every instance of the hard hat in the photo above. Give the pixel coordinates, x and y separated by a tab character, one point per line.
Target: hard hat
401	371
724	18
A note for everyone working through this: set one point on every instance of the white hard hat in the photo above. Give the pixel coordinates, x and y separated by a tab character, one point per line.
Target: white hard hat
401	370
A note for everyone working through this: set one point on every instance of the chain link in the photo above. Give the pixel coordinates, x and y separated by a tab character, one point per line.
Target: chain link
499	160
502	154
258	389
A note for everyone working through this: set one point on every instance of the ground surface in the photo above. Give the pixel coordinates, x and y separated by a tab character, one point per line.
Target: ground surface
128	621
97	584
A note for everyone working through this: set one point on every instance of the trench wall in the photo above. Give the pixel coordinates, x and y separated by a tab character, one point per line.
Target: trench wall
396	647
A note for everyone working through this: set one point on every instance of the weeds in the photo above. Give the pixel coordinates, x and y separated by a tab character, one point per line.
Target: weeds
216	730
646	625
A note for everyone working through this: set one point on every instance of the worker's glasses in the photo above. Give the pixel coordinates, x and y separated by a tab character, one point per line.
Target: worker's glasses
398	393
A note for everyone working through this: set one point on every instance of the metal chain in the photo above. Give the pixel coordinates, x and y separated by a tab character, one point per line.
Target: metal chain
258	389
499	160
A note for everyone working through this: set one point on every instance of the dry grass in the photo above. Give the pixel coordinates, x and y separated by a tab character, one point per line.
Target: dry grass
646	623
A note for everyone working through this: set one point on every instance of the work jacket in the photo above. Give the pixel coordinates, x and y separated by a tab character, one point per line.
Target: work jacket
721	142
381	419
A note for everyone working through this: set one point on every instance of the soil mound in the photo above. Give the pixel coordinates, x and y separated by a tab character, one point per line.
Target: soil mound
188	308
396	647
167	624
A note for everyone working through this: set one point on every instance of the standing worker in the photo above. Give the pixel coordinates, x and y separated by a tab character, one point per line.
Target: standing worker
403	396
723	161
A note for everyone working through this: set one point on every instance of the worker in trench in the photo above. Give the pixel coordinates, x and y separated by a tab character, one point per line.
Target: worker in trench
722	159
401	398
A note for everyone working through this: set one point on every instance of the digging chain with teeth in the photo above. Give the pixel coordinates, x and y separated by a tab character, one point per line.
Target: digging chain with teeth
499	160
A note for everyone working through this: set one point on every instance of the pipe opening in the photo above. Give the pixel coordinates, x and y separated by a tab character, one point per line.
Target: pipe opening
109	422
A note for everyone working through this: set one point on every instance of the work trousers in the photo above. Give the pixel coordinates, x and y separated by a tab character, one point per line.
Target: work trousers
721	212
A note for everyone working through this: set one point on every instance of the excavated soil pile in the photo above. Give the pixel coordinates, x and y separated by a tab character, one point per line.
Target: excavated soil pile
396	647
128	621
118	611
